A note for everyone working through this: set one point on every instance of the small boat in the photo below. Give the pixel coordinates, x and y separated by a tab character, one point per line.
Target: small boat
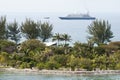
77	17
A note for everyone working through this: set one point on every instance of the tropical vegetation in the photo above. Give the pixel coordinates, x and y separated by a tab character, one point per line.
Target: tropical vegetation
34	53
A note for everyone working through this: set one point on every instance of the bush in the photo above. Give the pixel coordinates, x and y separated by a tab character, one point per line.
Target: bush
32	45
117	66
4	58
31	64
40	66
52	65
86	64
26	59
101	62
73	62
61	59
12	63
99	50
58	50
24	65
7	46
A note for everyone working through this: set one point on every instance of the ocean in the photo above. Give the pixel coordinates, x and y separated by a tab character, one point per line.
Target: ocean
77	29
37	76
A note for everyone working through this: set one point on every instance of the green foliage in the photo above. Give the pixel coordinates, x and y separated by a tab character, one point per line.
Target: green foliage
27	65
45	55
32	64
15	56
61	37
30	29
82	50
52	65
40	66
2	27
24	65
65	37
7	46
100	32
34	53
57	37
101	62
73	62
26	59
58	50
117	66
32	45
45	31
3	58
12	63
86	64
99	50
111	62
61	59
13	32
18	63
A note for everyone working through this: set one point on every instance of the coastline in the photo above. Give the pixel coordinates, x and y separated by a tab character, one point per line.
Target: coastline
60	72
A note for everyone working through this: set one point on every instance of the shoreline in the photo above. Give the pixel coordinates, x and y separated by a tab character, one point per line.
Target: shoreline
60	72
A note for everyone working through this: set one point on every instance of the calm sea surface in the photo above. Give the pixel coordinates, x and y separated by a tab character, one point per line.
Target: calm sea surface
23	76
76	28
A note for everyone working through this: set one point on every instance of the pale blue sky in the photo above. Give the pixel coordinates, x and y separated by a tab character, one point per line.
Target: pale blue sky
59	5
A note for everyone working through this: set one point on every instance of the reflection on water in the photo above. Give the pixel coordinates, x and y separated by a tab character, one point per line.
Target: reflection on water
24	76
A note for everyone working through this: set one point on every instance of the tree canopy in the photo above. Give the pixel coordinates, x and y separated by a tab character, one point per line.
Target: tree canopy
13	31
100	32
30	29
2	27
45	31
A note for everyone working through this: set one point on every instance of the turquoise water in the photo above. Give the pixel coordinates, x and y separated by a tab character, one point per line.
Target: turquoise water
23	76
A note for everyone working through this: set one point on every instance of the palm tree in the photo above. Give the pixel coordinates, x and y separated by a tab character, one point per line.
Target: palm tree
57	37
66	37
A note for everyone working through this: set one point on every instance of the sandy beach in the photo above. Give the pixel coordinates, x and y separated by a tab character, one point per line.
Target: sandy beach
60	72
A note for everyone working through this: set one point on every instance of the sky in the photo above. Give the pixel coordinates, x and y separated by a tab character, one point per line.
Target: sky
60	6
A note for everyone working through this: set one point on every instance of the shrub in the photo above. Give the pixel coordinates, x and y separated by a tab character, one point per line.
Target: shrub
7	46
58	50
40	66
86	64
32	45
52	65
118	66
26	59
61	59
24	65
99	50
4	58
12	63
101	62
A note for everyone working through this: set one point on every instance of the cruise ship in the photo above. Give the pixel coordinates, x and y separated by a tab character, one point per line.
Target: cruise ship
78	17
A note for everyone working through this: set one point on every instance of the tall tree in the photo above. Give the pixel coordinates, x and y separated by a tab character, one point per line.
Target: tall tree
13	31
46	31
100	32
2	27
30	29
57	37
66	37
